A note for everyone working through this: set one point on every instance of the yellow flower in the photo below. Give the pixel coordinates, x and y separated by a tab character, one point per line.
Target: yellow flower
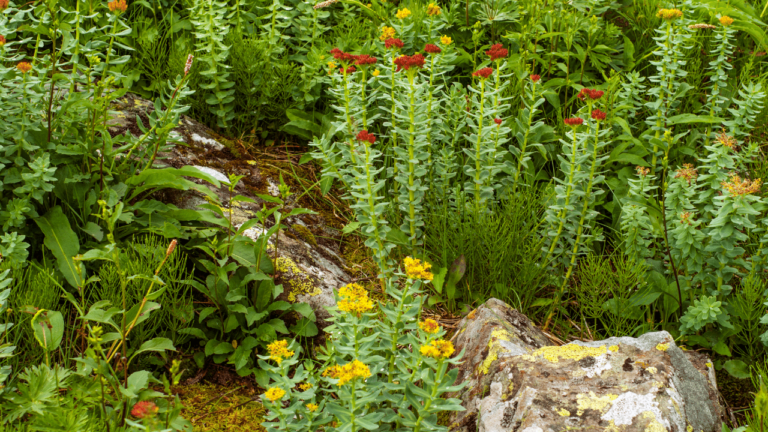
433	9
331	65
429	326
438	349
348	372
305	386
274	394
386	33
726	140
725	20
312	407
669	14
415	269
446	40
738	187
278	351
354	299
369	5
403	13
376	73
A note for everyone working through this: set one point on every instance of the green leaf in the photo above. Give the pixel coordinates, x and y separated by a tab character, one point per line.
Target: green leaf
157	345
94	230
737	369
693	118
48	328
63	242
304	327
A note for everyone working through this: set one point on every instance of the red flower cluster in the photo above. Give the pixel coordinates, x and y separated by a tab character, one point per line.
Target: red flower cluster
117	6
598	115
364	135
342	56
364	59
496	52
497	121
2	40
349	70
392	42
432	49
535	78
590	93
483	73
143	409
574	121
24	67
407	62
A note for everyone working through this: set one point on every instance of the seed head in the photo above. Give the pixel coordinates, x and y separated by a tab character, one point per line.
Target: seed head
24	67
726	140
738	187
687	173
188	65
171	247
433	9
701	26
324	4
117	6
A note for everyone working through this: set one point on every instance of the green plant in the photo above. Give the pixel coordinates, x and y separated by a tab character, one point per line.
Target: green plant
358	367
240	285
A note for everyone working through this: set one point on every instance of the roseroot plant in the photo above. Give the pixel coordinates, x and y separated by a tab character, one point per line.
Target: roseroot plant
381	369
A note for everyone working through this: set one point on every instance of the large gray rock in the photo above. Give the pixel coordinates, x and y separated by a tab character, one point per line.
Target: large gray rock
520	382
308	262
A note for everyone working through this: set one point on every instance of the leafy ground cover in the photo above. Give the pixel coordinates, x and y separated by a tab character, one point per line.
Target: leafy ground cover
596	164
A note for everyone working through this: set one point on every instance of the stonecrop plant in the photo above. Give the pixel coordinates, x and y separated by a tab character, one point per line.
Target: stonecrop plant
383	367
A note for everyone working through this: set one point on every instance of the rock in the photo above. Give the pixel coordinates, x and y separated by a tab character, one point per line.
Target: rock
308	269
520	382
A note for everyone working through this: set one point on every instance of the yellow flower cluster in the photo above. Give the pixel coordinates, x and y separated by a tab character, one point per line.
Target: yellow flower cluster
387	33
669	14
354	299
278	351
725	20
737	187
348	372
376	73
438	349
305	386
433	9
274	394
312	407
415	269
446	40
429	326
403	13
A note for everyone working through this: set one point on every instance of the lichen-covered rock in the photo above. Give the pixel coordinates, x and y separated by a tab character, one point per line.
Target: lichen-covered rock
618	384
488	334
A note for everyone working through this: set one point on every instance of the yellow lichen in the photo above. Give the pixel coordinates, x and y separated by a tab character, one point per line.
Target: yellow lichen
708	364
653	425
657	384
511	386
689	428
613	348
299	283
652	370
472	314
662	346
564	412
591	401
567	352
495	348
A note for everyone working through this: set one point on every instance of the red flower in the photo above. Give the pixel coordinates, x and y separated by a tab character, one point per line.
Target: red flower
24	67
392	42
590	93
143	409
535	78
496	52
432	49
497	121
3	5
341	55
350	70
483	73
2	39
598	115
364	59
574	121
364	135
407	62
117	6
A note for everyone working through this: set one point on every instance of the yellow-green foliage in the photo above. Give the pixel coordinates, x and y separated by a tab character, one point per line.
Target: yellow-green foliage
223	408
305	234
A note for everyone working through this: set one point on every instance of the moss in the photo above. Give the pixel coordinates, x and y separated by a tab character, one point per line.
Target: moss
224	413
305	234
568	352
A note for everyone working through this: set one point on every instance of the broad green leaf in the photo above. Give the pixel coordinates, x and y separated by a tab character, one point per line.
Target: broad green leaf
63	243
